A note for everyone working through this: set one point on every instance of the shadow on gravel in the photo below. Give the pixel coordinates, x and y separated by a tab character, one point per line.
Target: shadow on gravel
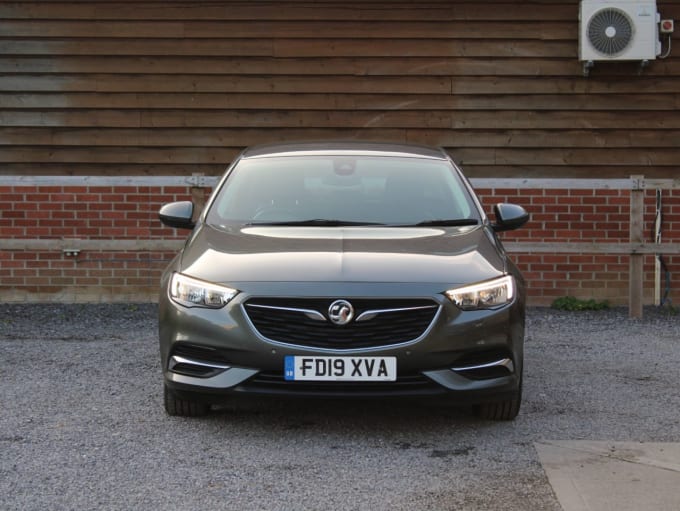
340	417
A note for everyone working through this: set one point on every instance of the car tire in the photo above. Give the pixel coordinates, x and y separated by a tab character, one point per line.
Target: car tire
505	410
177	407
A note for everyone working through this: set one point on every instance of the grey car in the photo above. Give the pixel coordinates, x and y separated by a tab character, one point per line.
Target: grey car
343	270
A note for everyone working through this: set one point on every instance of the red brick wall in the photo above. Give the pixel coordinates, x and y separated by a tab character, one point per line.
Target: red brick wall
124	213
129	213
94	212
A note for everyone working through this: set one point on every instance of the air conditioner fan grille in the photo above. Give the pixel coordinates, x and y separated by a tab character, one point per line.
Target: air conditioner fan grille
610	31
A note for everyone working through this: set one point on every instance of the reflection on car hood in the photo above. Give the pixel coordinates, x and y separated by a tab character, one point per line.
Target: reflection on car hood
342	254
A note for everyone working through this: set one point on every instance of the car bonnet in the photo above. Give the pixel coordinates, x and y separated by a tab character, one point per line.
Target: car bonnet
453	255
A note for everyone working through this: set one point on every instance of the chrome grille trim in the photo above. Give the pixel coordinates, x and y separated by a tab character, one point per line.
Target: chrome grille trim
310	313
368	315
505	362
176	360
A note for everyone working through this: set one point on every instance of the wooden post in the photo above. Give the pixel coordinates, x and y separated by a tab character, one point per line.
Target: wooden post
636	264
198	195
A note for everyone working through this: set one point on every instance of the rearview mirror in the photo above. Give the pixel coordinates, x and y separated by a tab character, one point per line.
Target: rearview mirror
509	217
178	215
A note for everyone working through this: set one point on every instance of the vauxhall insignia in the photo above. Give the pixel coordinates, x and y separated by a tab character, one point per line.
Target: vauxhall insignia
340	312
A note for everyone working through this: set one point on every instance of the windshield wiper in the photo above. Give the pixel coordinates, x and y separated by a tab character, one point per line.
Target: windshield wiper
316	222
443	222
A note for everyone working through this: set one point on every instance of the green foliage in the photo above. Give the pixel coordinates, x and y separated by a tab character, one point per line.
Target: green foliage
569	303
670	309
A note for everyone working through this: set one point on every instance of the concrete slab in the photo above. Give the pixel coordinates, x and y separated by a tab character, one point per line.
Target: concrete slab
616	476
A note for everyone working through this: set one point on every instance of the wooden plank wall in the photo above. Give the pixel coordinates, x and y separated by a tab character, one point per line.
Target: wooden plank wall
176	87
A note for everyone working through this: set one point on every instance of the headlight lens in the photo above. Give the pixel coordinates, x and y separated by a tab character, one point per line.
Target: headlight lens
197	293
485	295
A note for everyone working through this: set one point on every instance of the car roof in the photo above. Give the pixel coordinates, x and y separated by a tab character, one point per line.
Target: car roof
352	148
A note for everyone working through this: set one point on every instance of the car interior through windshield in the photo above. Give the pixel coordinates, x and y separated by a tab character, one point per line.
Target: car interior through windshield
341	190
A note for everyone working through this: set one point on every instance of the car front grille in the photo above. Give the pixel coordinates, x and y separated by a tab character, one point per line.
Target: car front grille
305	322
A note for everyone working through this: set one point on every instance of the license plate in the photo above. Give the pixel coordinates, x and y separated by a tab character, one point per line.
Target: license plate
301	368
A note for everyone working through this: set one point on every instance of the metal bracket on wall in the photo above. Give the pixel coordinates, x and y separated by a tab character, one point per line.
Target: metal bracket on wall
642	66
638	183
199	181
587	66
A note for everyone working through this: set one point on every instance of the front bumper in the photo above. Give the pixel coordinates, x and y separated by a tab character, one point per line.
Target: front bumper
467	355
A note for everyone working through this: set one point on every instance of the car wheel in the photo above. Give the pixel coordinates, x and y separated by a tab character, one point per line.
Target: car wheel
182	407
505	410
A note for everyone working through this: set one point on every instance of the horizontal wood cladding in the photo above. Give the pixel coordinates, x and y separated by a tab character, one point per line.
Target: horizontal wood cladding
175	87
537	104
261	66
259	10
236	137
373	30
520	121
288	48
628	161
370	66
340	84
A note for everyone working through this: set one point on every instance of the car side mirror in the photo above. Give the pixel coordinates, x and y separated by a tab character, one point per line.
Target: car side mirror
509	217
178	215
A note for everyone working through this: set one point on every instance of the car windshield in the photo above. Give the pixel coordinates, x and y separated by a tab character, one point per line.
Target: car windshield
340	190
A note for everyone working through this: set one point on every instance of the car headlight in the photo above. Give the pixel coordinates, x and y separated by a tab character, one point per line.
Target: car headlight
197	293
485	295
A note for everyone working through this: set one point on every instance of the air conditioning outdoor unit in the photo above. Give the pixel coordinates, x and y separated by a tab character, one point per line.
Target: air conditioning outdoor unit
612	30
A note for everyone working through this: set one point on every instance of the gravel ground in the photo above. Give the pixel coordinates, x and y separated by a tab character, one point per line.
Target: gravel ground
82	425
